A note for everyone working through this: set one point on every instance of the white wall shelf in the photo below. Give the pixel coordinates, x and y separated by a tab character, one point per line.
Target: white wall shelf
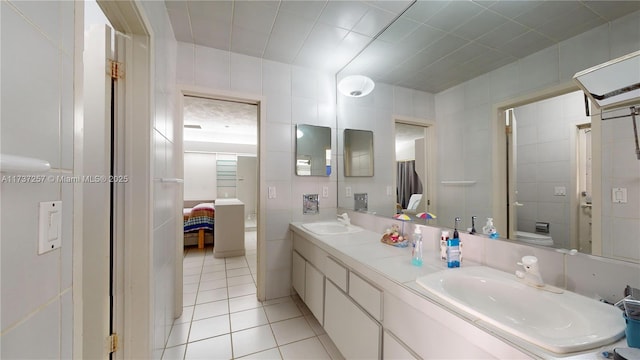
458	182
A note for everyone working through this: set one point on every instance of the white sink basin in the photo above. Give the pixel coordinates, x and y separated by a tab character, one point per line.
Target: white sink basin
330	228
561	323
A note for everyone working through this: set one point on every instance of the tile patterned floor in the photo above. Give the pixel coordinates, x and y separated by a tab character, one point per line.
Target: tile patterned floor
222	319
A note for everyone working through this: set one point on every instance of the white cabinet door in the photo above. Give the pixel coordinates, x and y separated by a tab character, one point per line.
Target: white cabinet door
297	274
314	291
355	333
393	349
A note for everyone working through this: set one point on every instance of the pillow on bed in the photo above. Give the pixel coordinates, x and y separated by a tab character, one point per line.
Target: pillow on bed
204	206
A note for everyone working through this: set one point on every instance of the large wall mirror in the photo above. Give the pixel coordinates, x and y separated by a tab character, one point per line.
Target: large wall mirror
430	67
358	152
313	150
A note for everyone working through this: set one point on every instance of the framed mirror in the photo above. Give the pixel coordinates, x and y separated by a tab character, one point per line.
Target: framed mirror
358	152
313	150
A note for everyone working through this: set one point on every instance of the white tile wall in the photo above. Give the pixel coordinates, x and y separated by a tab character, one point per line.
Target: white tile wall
548	67
211	67
37	68
543	133
164	199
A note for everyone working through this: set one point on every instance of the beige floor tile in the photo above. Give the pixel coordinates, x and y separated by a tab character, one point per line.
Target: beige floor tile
282	311
291	330
252	340
207	310
217	348
210	327
306	349
247	319
244	303
174	353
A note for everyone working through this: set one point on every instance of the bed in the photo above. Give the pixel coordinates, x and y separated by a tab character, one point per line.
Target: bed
199	220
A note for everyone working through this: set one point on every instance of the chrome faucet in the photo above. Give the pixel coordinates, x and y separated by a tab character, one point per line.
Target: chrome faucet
531	275
344	218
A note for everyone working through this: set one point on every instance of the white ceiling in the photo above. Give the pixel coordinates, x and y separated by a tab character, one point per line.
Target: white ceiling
316	34
433	46
221	121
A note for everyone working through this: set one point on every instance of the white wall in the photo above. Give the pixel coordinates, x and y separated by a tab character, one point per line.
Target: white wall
293	95
620	169
545	130
36	121
165	206
200	176
376	112
464	113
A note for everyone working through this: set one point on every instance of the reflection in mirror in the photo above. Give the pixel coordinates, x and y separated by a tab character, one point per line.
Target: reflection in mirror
411	168
358	152
313	150
550	172
423	69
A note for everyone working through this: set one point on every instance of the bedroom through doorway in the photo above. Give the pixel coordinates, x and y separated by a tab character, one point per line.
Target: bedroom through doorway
220	144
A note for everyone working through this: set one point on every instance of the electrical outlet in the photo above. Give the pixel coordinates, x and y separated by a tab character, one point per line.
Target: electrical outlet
348	191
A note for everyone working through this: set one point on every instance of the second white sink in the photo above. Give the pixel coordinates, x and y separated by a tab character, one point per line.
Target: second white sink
561	323
330	228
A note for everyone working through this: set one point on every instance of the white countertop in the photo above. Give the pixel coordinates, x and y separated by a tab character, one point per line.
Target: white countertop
364	252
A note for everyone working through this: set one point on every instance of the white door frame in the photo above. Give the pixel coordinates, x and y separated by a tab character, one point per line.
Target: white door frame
431	147
260	101
499	182
135	265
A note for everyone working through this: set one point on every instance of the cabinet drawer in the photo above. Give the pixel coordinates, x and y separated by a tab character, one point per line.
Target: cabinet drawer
314	291
337	273
366	295
355	333
392	349
298	274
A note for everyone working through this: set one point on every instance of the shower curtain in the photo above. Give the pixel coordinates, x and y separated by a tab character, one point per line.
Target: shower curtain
408	182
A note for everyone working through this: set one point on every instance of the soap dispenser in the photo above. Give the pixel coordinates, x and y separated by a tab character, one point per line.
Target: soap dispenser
453	248
490	229
416	256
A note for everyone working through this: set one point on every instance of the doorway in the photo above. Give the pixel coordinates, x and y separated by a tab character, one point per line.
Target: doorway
220	140
585	188
414	154
246	154
545	152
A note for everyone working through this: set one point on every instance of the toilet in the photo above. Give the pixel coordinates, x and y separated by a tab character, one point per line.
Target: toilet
534	238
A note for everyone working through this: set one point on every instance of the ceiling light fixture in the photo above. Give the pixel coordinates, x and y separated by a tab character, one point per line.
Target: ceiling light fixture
186	126
356	86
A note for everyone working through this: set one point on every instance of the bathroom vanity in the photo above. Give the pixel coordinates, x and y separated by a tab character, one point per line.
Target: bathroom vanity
354	284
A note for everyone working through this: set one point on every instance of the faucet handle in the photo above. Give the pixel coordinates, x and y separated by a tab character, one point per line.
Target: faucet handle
529	262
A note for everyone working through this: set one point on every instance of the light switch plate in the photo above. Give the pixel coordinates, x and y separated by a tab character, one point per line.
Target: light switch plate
560	191
325	191
389	190
50	226
348	192
272	192
619	195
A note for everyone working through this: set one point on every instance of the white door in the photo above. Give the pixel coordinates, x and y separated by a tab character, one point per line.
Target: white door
102	224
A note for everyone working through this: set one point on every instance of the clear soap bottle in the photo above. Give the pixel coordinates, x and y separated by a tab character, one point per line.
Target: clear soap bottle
416	256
